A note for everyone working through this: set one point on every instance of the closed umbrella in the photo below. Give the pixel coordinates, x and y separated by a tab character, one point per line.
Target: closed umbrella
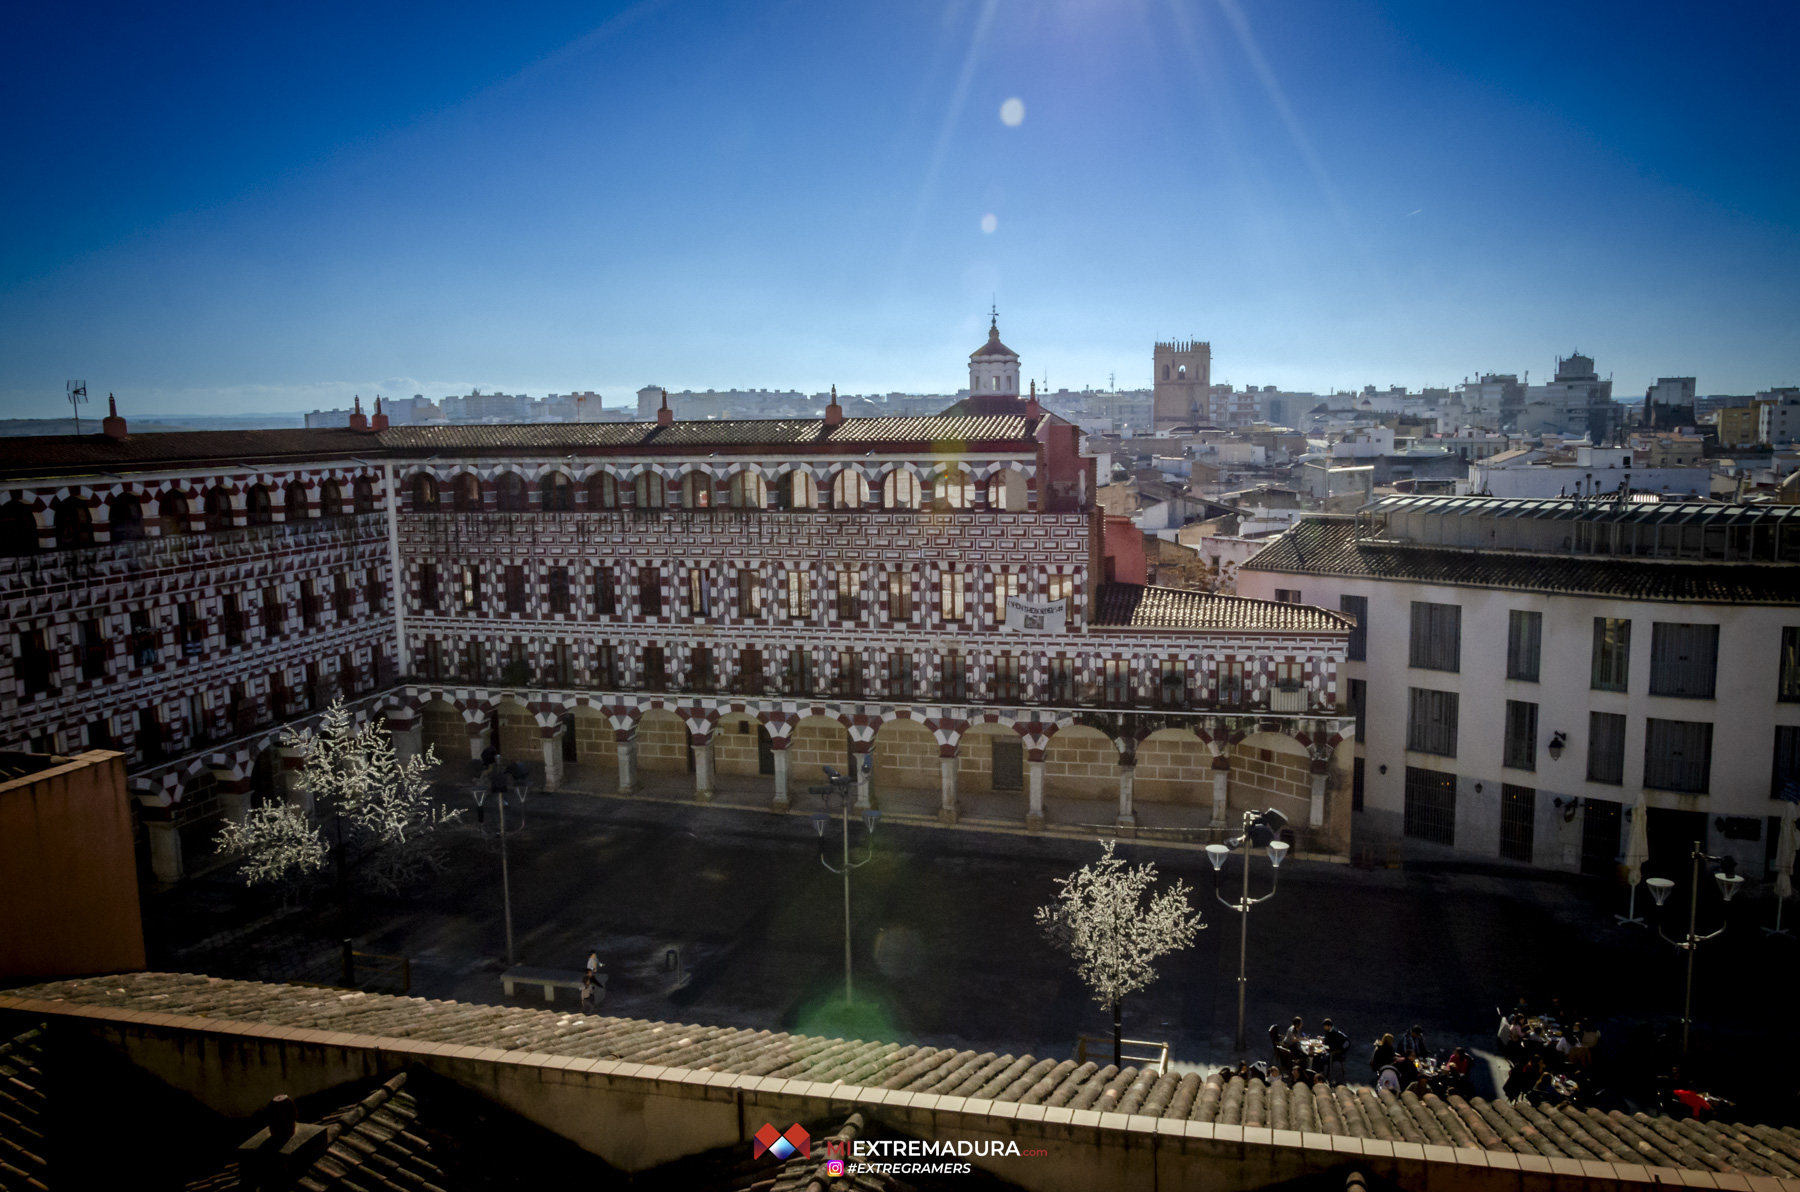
1784	864
1637	851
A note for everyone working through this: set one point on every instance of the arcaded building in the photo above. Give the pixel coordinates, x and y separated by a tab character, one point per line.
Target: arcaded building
736	602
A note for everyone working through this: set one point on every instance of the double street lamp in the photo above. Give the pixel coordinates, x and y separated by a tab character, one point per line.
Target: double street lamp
842	788
512	784
1260	830
1729	884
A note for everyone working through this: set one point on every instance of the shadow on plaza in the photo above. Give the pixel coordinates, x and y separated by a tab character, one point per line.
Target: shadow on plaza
721	916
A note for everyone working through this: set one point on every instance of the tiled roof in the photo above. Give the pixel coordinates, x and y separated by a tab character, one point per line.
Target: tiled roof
1143	606
523	437
1357	1111
60	454
1644	507
688	435
1329	546
24	1118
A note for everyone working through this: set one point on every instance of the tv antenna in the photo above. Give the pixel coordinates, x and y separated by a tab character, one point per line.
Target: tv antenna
77	398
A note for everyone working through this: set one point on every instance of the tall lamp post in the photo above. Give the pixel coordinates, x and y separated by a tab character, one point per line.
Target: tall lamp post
482	790
842	788
1729	884
1260	829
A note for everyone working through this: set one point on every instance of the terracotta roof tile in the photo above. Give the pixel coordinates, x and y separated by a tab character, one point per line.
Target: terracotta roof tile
1142	606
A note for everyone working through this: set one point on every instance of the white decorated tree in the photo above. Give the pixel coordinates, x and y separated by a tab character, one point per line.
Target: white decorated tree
1102	920
355	777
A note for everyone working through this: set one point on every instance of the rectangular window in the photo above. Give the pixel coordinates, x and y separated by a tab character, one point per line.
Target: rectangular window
434	659
515	589
952	595
95	650
749	592
474	662
606	602
1678	755
1171	687
799	595
309	605
1059	587
1062	680
1356	784
146	643
1116	678
1518	822
606	665
899	596
1600	828
849	590
36	663
375	592
1358	607
700	668
1784	777
849	673
471	590
1612	654
341	599
955	683
750	671
274	617
1006	678
562	665
1430	806
1606	748
234	619
656	676
1789	689
1524	643
1521	735
650	591
1231	684
1359	701
1431	721
900	675
1684	659
559	589
1436	636
1287	595
1006	584
799	672
698	593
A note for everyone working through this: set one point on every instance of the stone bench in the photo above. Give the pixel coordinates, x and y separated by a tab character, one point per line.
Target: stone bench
551	979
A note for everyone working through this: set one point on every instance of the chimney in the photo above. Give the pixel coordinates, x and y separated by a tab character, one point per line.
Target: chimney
834	413
112	426
1033	411
665	416
380	421
358	419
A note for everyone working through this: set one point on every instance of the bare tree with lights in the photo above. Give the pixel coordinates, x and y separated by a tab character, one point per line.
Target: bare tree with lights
1101	919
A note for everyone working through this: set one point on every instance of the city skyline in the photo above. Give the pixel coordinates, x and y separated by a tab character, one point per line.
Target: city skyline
583	200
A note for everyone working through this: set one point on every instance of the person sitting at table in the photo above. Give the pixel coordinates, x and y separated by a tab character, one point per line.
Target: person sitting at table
1295	1040
1414	1045
1522	1008
1458	1062
1300	1076
1337	1046
1383	1055
1419	1087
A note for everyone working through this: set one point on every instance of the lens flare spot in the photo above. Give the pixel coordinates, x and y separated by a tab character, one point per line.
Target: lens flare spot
989	223
1012	112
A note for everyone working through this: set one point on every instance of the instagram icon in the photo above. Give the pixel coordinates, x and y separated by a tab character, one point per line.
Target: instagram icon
834	1168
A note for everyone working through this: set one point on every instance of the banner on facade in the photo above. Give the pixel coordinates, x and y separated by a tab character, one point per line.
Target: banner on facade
1026	616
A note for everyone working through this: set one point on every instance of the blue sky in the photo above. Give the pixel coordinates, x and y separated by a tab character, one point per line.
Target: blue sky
254	206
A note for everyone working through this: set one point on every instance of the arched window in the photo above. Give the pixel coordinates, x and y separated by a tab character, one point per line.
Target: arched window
465	493
331	499
849	490
603	491
1181	373
258	509
173	513
424	493
796	490
74	524
293	502
956	490
696	491
127	518
18	529
748	490
900	490
218	508
650	491
363	492
1006	491
555	493
509	493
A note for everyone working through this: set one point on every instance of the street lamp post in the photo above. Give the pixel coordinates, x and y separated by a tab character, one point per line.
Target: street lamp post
481	793
1259	832
1729	884
842	787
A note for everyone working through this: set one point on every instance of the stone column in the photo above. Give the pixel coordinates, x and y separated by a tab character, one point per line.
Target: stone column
1127	823
863	775
1317	818
478	737
703	767
1034	787
1221	776
627	746
235	796
553	758
947	768
165	846
780	802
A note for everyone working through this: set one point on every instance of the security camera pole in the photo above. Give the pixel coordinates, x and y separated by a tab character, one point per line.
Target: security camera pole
1259	832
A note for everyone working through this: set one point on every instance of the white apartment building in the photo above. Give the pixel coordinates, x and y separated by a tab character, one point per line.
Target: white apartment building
1595	471
1523	670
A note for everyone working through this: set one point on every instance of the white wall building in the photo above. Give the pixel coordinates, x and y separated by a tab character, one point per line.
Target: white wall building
1525	670
1596	471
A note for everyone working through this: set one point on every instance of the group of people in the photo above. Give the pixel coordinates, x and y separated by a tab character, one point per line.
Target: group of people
1406	1066
1548	1049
